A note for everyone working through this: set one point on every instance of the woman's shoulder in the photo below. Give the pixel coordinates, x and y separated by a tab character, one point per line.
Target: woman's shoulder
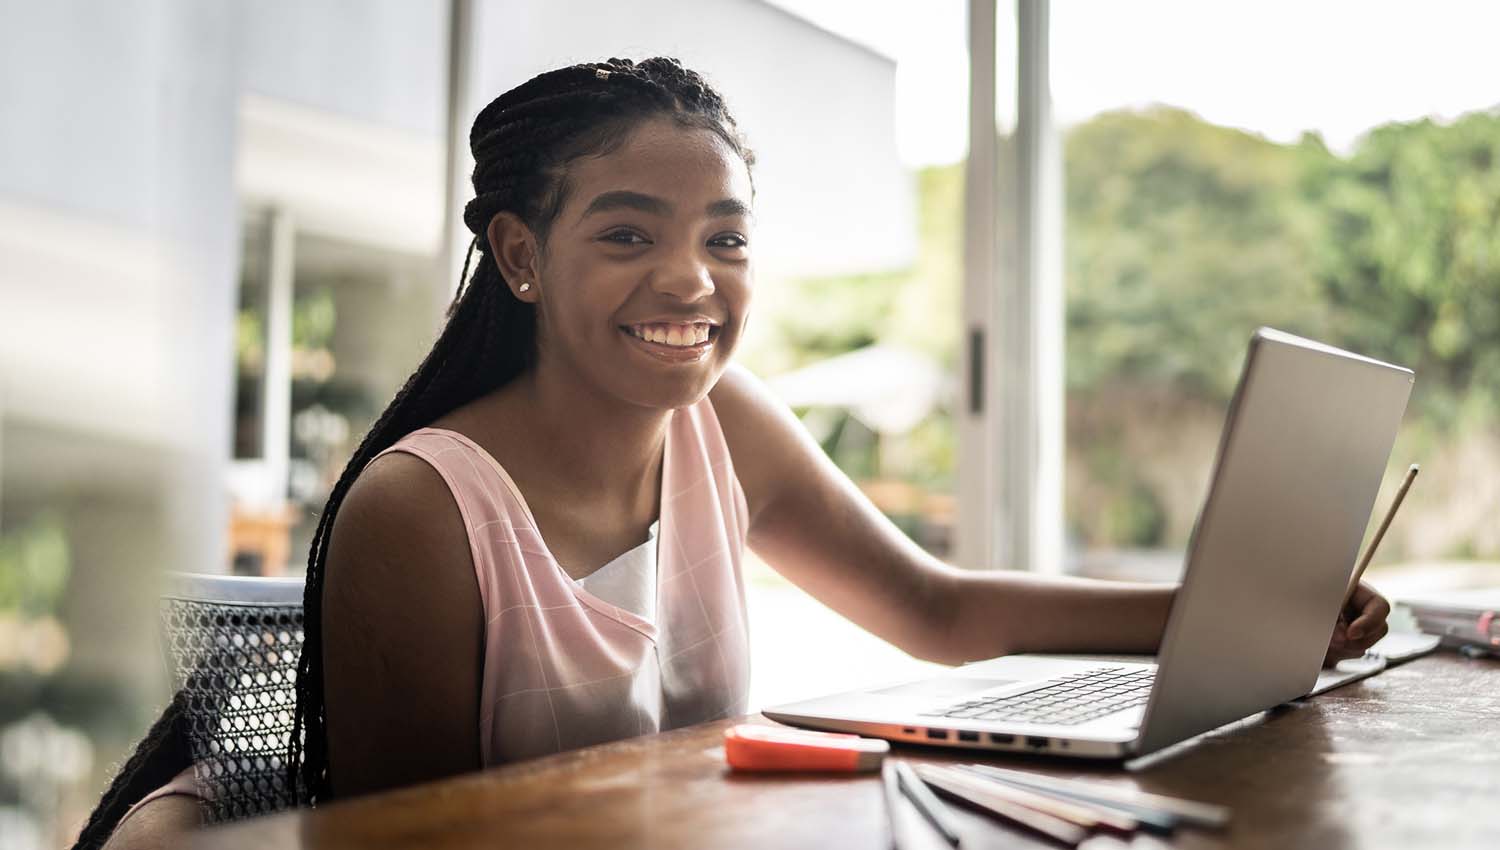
738	398
445	456
397	513
757	429
397	487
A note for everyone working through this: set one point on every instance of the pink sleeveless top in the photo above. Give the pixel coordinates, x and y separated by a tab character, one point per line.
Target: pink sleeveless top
565	669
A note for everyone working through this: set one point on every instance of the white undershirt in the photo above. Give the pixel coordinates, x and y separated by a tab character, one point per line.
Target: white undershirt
629	581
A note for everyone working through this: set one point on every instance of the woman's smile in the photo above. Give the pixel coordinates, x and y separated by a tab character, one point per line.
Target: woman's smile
673	342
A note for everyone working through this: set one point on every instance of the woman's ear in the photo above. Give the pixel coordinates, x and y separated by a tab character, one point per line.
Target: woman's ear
514	248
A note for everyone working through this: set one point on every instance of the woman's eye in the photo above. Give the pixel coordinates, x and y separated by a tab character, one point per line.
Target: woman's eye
624	237
728	240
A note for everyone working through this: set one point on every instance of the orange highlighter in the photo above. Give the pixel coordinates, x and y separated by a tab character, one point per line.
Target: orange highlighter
751	746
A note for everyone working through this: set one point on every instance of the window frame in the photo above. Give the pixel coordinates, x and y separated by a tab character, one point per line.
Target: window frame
1010	485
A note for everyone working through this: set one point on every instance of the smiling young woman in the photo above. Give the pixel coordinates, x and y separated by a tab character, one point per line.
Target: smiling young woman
537	546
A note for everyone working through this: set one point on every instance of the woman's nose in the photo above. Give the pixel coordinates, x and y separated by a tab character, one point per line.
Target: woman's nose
684	275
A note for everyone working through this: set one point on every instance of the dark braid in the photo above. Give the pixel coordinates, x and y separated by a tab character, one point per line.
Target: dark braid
161	755
522	143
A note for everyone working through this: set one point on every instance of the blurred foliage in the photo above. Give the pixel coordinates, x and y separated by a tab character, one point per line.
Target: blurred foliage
1131	514
34	565
838	314
1182	238
314	317
1409	257
74	698
933	293
249	340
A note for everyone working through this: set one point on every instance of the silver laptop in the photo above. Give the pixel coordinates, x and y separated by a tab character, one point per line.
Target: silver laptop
1304	447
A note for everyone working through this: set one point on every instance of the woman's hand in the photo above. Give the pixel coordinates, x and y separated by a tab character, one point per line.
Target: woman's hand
1361	624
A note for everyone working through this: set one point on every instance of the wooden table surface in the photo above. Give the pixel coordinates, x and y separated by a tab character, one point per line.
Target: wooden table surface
1407	759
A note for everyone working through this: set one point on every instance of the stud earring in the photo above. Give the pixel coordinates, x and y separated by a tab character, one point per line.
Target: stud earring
525	286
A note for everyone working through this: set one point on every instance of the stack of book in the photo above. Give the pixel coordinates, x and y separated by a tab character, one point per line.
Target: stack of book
1466	620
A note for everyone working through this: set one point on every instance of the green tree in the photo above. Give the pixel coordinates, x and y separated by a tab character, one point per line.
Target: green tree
1409	256
1182	238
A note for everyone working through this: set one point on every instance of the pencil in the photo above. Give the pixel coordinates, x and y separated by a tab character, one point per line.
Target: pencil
890	788
927	803
1155	820
1390	514
1053	827
1086	815
1187	811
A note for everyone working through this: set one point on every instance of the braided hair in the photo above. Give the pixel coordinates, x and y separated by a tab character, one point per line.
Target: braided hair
522	143
161	755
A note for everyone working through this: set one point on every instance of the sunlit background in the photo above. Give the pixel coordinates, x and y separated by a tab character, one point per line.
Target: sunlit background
223	247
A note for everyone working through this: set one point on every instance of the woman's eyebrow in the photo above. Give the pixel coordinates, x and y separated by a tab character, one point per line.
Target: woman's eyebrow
624	199
652	205
729	207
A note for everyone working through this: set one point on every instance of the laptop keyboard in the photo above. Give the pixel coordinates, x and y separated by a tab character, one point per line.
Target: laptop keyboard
1068	701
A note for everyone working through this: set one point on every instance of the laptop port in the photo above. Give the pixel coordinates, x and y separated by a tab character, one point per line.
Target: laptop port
1036	742
1000	738
907	730
938	734
967	736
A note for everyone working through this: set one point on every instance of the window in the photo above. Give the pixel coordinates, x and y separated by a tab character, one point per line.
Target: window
321	347
1337	179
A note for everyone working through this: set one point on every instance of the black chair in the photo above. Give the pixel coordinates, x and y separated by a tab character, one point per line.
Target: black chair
233	644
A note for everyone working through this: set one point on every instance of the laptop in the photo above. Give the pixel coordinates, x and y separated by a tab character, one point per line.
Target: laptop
1303	450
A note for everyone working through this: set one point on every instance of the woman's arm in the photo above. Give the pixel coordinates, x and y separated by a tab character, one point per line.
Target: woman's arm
164	822
403	632
1061	613
809	521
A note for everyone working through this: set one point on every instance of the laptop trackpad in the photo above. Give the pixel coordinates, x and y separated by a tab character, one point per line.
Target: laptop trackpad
944	687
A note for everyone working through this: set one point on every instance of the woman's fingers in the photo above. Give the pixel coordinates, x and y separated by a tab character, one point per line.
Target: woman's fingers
1373	610
1352	637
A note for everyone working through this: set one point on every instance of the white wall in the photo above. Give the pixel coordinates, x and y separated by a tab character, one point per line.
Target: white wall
344	116
118	246
381	61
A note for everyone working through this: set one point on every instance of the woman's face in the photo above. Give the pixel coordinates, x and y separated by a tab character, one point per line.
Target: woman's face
644	283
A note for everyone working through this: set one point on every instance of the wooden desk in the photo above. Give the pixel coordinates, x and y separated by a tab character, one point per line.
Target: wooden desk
1407	759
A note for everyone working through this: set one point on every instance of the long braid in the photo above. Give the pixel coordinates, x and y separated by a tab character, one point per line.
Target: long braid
161	755
522	142
414	405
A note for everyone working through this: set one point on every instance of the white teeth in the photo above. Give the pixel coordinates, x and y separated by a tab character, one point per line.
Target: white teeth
682	336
